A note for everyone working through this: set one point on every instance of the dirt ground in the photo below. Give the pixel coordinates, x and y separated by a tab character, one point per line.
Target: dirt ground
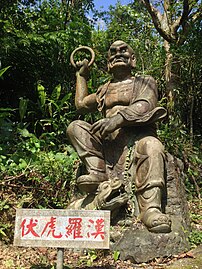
45	258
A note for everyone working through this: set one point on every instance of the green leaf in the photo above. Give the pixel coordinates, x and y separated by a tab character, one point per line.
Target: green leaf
2	232
42	94
116	255
25	133
22	164
22	107
56	93
3	70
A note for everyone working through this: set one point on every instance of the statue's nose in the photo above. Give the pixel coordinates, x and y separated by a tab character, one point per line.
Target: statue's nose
118	53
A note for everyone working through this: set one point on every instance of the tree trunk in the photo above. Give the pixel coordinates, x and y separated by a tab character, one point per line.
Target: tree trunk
168	74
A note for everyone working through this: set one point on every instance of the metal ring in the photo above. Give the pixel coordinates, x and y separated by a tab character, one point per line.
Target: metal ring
81	48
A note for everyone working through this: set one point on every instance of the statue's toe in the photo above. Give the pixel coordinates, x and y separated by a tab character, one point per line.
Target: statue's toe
156	221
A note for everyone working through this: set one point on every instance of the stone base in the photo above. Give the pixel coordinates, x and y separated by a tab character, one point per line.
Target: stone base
139	245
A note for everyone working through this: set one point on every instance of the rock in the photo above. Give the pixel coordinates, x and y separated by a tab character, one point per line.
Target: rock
139	245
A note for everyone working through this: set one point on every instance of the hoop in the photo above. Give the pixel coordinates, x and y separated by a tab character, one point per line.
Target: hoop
81	48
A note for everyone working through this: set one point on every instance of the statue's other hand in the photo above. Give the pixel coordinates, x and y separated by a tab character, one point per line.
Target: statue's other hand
82	67
107	125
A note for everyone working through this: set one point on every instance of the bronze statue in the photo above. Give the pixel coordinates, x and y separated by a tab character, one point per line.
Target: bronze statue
125	139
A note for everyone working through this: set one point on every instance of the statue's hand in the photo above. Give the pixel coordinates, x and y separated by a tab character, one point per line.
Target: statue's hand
83	68
107	125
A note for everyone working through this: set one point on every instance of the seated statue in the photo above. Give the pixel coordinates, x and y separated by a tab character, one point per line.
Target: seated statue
124	137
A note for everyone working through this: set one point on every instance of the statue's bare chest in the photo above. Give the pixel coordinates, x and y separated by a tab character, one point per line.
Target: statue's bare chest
119	94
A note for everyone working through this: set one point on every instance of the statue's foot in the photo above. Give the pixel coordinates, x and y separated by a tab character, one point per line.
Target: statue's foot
156	221
89	183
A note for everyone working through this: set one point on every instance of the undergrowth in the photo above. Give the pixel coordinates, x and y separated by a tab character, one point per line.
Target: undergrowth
34	173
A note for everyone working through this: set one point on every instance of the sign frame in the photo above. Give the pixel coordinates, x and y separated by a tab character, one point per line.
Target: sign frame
61	213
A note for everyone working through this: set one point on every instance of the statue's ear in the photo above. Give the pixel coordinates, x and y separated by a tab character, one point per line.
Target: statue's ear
108	68
133	62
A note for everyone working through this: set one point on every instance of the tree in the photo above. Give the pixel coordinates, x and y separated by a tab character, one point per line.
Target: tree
173	20
179	24
37	38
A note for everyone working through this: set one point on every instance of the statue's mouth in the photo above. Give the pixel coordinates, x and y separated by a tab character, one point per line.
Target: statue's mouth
116	198
115	193
119	60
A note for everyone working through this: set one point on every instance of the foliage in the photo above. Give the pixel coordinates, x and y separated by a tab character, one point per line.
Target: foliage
37	175
55	112
189	93
92	256
37	41
195	238
40	171
175	136
36	159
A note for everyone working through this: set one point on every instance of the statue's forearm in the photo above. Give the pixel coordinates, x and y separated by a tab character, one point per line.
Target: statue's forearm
84	102
136	115
135	111
81	91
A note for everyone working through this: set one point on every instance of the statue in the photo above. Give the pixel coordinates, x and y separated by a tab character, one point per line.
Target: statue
124	140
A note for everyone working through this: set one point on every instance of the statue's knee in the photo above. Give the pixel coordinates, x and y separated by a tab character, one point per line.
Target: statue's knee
150	146
72	128
77	129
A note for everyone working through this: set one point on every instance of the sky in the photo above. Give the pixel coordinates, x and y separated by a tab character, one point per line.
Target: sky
102	5
107	3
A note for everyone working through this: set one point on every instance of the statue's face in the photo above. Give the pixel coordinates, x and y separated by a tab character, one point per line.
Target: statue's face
120	55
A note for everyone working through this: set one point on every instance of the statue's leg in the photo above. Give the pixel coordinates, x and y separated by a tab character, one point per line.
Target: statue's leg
150	183
90	150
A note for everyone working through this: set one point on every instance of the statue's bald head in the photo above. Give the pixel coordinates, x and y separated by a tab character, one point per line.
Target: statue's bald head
120	54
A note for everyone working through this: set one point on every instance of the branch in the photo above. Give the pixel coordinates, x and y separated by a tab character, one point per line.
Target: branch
166	6
188	17
186	11
157	19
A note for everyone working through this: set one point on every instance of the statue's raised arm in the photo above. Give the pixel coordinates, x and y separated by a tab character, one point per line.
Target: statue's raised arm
83	101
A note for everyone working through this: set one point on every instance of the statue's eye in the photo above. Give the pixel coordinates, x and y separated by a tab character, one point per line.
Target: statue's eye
123	50
113	51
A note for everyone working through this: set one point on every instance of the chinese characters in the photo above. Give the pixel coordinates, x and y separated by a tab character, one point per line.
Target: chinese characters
65	228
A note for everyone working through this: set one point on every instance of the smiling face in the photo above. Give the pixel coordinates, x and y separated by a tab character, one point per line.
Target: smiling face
120	55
